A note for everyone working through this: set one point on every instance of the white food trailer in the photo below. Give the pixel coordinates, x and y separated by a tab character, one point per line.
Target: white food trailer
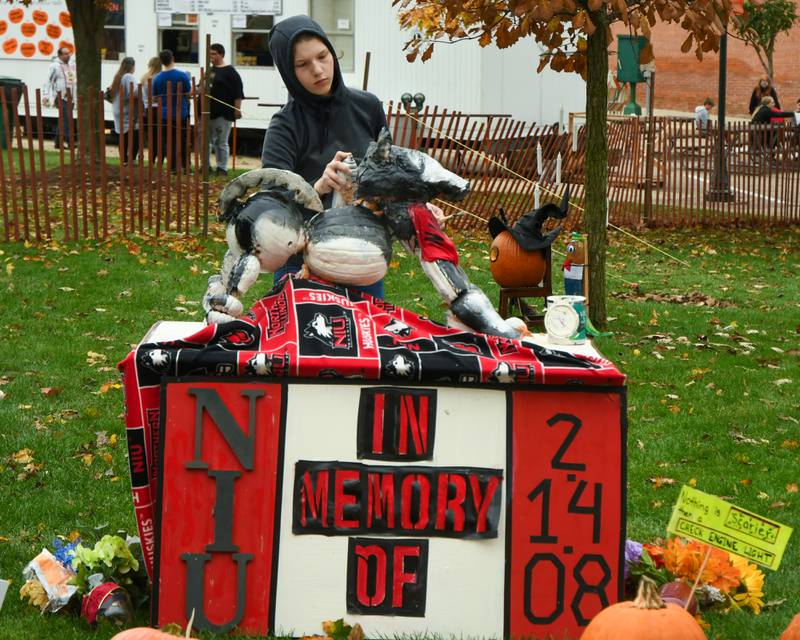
459	76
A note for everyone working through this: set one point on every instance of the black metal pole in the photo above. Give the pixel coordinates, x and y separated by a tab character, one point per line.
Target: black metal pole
720	191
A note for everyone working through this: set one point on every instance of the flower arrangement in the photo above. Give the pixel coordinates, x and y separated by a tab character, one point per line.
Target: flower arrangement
727	581
52	579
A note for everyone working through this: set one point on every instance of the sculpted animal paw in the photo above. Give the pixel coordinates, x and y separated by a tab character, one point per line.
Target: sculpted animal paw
216	317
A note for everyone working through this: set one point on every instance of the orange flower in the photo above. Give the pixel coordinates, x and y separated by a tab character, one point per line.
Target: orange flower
683	559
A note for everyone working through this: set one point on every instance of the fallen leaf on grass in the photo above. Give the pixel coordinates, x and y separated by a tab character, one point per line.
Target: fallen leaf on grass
50	391
739	437
660	481
93	358
791	487
105	388
782	381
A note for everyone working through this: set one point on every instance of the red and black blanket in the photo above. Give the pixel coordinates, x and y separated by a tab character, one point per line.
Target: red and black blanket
307	329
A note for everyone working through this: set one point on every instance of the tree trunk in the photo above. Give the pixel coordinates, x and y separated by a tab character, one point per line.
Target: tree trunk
88	22
596	169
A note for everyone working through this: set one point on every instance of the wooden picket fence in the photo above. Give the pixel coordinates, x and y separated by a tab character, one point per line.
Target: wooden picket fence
153	184
662	171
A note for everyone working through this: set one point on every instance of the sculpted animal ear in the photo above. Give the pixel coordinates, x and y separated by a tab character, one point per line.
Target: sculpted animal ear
565	203
384	146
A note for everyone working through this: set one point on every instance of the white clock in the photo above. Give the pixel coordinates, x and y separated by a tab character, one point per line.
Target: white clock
561	321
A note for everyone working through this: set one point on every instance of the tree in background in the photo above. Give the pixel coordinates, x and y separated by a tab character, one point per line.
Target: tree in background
760	26
576	35
88	23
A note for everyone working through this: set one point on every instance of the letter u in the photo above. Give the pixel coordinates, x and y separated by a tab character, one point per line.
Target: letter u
195	598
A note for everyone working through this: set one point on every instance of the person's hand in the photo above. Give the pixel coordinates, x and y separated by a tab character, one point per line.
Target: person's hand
330	180
437	213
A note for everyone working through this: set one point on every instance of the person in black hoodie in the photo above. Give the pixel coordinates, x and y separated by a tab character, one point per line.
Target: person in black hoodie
323	121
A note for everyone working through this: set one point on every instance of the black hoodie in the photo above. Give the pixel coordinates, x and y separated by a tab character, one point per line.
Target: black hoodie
306	133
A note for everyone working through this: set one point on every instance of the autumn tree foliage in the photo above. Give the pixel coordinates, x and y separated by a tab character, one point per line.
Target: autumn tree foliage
760	26
575	36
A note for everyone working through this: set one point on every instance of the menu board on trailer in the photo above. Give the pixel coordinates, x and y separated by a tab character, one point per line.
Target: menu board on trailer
36	31
264	7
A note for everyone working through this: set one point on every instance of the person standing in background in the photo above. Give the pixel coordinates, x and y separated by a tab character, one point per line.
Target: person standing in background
226	102
60	85
153	69
122	87
174	77
763	88
150	114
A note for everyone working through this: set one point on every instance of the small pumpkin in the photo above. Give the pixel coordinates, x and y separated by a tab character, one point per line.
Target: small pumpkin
143	633
646	618
512	266
792	632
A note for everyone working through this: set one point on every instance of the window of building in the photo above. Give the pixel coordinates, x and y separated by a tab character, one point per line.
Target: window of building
113	44
336	17
251	43
182	38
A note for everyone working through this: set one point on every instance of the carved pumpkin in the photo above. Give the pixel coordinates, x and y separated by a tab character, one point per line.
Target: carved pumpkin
646	618
792	632
512	266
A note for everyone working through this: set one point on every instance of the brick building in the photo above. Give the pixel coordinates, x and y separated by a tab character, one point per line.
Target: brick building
682	81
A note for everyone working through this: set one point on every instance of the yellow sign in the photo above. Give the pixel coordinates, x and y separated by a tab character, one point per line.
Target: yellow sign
711	520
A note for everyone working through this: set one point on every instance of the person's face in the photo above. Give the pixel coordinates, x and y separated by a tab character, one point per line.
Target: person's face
64	55
216	58
763	84
313	66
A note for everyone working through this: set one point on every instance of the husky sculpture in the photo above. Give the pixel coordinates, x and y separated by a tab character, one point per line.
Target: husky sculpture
349	245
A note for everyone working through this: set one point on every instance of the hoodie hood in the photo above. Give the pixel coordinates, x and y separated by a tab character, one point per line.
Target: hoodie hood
281	42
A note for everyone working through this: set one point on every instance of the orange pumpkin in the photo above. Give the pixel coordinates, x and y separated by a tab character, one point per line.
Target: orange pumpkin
792	632
10	46
143	633
27	49
27	29
53	31
45	47
3	27
16	15
65	19
512	266
39	16
646	618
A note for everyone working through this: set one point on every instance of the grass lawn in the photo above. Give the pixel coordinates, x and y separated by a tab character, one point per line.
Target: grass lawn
712	390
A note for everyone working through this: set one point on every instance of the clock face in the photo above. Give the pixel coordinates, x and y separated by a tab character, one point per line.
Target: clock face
561	320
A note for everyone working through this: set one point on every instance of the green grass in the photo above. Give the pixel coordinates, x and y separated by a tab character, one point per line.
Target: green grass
707	401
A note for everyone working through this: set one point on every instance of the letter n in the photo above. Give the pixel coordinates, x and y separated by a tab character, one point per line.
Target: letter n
243	446
415	422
